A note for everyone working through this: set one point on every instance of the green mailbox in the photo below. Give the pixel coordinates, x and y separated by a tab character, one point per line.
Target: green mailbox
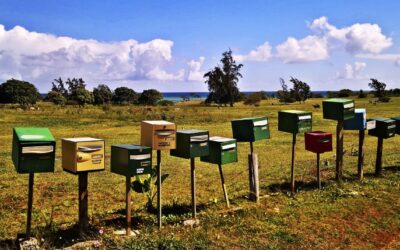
130	160
222	151
384	128
33	150
191	143
294	121
397	119
338	109
250	129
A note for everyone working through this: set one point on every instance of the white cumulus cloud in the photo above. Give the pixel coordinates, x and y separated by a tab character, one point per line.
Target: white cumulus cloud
261	54
41	57
359	37
308	49
352	71
395	58
195	73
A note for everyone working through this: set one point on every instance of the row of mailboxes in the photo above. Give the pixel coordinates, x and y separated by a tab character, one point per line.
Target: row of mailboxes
250	129
294	121
338	109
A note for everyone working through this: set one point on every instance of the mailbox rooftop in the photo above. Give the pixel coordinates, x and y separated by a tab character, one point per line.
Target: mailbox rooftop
131	146
34	134
82	139
382	119
191	131
292	111
338	100
159	122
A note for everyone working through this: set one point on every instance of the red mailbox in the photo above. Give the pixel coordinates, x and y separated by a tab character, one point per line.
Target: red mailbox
318	142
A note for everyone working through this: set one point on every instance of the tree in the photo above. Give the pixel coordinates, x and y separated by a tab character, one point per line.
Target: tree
124	96
59	87
300	91
102	95
77	91
56	97
345	93
361	94
378	87
16	91
222	82
284	94
150	97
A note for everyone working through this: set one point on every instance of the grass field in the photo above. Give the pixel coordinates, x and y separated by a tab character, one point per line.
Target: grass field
356	215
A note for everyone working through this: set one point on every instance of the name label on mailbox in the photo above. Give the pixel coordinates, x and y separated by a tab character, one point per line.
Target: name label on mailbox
228	146
261	123
37	150
139	157
391	126
305	117
348	105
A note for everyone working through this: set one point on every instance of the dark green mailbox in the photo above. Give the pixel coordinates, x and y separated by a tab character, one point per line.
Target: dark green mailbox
191	143
294	121
397	119
384	128
222	151
250	129
338	109
33	150
130	160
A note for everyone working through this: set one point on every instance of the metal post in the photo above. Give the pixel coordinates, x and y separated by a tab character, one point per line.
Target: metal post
30	202
193	184
221	174
318	172
292	184
339	151
378	165
128	206
159	208
83	201
361	136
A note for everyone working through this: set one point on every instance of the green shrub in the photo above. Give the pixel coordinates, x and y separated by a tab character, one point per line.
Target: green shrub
166	103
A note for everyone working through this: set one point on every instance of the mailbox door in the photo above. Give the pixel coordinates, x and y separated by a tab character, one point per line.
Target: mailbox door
397	119
164	139
391	129
228	153
199	145
90	156
261	129
36	157
305	124
348	110
140	163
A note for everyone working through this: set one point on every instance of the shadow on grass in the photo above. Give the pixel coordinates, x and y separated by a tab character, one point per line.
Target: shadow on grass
285	187
8	244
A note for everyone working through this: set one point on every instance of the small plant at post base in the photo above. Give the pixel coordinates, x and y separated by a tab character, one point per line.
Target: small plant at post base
147	185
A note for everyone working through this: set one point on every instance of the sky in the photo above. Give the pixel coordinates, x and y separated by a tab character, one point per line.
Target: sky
169	45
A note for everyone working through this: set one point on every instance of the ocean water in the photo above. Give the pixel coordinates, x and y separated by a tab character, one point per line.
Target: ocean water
178	96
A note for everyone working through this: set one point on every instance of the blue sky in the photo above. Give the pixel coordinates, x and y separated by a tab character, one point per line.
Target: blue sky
168	45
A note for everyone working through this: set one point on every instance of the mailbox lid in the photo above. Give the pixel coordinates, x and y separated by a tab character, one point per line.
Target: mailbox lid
358	122
318	141
294	121
222	151
34	134
397	119
191	143
131	159
250	129
338	109
384	127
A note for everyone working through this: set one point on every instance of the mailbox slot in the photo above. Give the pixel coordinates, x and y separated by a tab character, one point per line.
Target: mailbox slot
37	149
199	138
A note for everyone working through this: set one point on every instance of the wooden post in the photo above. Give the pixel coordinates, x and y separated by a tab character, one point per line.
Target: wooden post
361	136
221	174
292	184
378	165
253	177
128	206
30	202
339	151
83	201
318	172
193	185
159	208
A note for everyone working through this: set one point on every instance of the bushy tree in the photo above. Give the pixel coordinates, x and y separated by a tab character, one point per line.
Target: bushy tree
361	94
77	92
102	94
222	81
16	91
150	97
284	94
254	98
59	87
378	87
56	98
345	93
300	90
124	96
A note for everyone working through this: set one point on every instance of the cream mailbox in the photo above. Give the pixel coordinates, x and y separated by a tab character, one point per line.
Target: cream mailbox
82	154
159	135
